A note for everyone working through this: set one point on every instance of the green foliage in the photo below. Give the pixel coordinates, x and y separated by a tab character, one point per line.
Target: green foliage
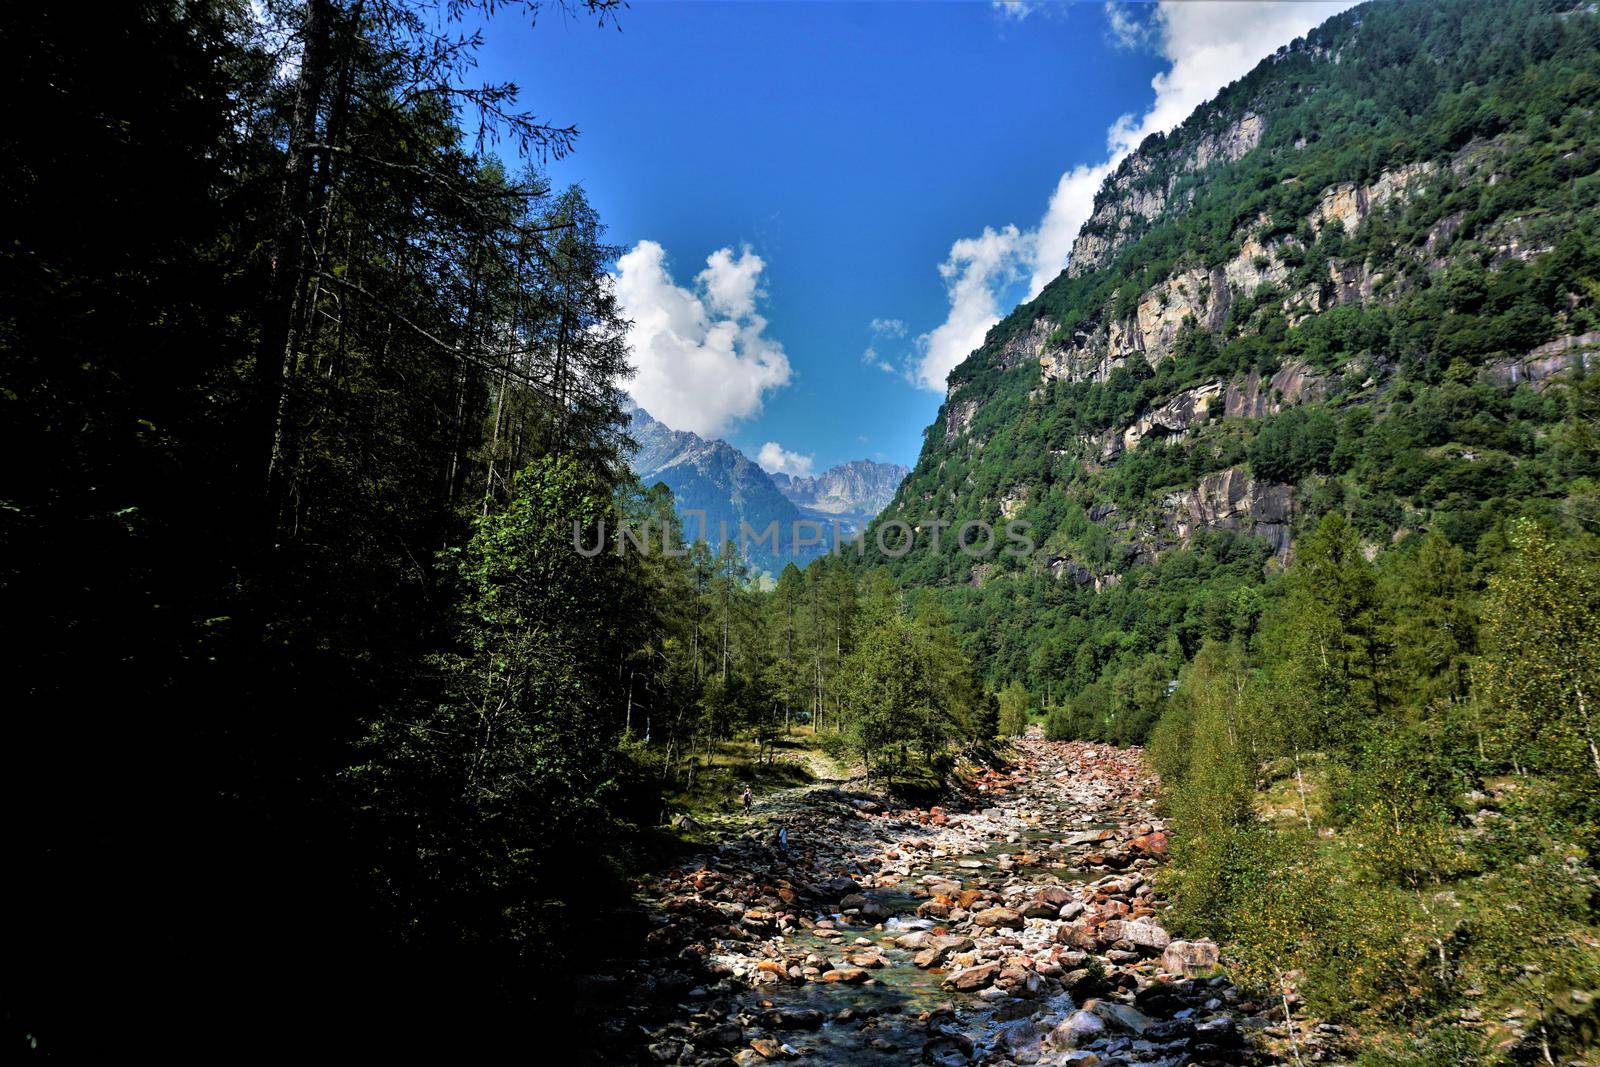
1014	708
1402	333
1541	664
1387	895
904	684
521	737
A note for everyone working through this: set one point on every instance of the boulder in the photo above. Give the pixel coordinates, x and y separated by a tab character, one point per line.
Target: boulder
1218	1032
1153	844
770	1049
998	918
846	975
1143	934
1079	1028
974	978
791	1019
834	888
1039	909
1119	1017
948	1050
727	1035
1190	958
1078	936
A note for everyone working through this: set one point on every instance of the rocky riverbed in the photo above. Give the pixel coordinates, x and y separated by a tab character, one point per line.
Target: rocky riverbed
1023	929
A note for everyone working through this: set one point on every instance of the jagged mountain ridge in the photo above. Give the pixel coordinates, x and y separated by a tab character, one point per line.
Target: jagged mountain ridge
1387	215
716	479
850	493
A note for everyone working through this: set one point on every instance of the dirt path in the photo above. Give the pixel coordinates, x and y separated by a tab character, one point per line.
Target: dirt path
1024	929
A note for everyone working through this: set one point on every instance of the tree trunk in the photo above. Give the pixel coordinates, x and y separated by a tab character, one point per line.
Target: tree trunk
275	350
1288	1019
1300	784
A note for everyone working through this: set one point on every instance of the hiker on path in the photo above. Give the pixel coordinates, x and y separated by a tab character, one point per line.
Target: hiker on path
745	800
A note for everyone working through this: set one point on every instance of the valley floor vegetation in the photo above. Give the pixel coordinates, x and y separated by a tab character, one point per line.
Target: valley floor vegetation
1386	794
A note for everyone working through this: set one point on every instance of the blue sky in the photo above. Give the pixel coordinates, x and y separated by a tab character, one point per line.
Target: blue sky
840	153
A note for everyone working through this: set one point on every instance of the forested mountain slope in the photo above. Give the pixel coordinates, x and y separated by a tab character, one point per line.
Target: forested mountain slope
1355	281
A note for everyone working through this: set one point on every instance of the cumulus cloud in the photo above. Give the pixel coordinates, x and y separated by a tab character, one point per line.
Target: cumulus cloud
702	357
775	459
975	273
732	283
1207	44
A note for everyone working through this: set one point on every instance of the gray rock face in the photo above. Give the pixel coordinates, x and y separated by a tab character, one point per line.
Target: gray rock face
1234	500
851	493
1129	200
1547	361
957	414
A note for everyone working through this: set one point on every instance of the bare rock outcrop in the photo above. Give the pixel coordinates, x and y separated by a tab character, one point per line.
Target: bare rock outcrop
1129	199
1234	500
1547	361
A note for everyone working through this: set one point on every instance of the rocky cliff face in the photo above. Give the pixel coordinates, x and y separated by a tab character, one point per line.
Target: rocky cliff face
1248	230
1133	197
852	493
1204	296
1247	397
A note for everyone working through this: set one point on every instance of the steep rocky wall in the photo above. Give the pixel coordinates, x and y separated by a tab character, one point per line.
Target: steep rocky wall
1205	296
1128	201
1547	361
1233	500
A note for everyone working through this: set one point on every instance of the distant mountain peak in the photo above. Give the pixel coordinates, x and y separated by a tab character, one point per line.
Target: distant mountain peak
729	487
854	491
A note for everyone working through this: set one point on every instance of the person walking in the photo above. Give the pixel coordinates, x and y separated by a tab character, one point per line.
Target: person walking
745	800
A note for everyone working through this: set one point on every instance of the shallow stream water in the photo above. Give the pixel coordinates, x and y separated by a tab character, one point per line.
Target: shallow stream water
881	1020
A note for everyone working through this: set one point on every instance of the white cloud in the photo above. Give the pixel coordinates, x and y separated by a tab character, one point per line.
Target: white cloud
872	359
1071	202
775	459
1207	45
1015	10
975	273
884	331
1125	27
702	356
732	284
